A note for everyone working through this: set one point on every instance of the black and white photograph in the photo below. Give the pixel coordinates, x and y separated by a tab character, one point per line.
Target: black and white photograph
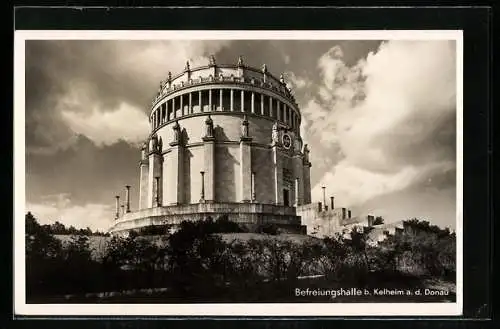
238	172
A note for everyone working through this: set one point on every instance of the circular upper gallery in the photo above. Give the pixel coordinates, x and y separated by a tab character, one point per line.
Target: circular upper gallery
224	88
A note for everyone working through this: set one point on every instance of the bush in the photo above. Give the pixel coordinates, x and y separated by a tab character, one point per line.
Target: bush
195	259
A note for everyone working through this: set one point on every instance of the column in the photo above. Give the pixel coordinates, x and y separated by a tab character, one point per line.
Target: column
173	108
253	102
242	101
202	194
181	97
117	207
271	106
297	201
220	99
254	195
324	198
167	110
199	101
144	183
190	109
261	104
210	100
127	198
123	210
278	110
232	100
332	203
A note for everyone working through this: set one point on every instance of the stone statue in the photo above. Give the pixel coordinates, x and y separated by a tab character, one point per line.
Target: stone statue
264	68
282	79
212	60
187	68
160	144
275	135
169	76
306	153
153	144
240	61
177	132
244	127
144	151
209	127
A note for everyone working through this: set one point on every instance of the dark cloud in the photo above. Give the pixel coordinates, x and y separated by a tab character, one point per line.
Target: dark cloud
89	174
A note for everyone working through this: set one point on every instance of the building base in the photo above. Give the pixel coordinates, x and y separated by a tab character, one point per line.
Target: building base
251	217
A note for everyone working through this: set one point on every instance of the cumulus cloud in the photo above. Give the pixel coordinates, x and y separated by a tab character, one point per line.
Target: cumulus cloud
392	115
68	81
296	82
105	128
60	208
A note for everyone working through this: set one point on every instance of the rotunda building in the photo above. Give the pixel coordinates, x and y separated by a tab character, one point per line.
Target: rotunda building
224	141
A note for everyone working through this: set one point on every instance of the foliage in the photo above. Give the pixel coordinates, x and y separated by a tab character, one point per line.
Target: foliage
196	260
378	220
58	228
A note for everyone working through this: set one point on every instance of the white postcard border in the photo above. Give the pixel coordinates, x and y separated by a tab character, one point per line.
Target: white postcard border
251	309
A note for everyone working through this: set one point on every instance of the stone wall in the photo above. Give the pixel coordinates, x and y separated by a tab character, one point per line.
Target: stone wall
323	222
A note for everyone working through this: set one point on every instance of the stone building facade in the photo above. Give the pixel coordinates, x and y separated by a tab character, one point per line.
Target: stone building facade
224	140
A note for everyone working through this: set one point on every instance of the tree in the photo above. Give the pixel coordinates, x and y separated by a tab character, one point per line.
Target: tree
40	244
378	220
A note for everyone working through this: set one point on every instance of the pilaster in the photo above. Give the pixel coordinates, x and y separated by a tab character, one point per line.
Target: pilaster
209	164
245	163
155	170
307	176
298	171
209	161
278	174
176	169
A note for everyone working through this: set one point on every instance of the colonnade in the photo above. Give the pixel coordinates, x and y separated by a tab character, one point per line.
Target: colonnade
224	99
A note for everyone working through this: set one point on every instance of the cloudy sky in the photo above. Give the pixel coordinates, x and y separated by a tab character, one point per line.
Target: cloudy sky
379	117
